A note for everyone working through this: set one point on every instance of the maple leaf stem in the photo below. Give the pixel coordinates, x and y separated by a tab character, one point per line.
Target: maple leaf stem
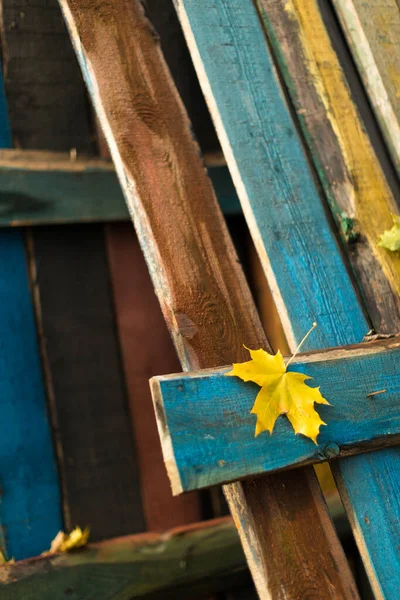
314	325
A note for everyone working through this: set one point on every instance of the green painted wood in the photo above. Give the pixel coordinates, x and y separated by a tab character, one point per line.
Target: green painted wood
205	417
188	562
39	188
372	30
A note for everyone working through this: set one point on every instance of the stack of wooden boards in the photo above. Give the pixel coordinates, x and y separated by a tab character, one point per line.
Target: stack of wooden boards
296	141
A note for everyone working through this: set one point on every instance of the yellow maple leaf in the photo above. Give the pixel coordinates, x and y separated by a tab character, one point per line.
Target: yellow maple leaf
64	542
282	393
390	239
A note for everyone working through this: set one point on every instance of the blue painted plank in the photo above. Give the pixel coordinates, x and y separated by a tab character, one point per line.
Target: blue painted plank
271	174
212	431
298	251
30	508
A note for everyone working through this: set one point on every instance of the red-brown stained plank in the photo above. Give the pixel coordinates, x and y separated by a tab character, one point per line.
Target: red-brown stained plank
292	548
147	350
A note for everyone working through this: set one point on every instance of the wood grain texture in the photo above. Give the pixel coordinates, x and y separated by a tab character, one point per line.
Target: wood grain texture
74	309
348	168
203	294
289	247
183	563
43	188
372	29
205	417
30	508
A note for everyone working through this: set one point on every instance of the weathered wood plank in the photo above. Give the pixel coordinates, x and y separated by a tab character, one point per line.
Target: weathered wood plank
287	221
354	184
43	188
30	508
372	29
147	350
205	417
203	294
348	168
183	563
74	308
260	143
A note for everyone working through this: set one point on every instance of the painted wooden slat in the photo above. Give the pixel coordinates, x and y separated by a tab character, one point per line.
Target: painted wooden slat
203	294
45	188
188	562
372	29
353	181
348	168
205	417
30	507
74	309
287	221
270	172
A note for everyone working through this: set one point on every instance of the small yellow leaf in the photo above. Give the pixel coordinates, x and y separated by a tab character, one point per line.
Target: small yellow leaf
281	393
4	561
390	239
64	542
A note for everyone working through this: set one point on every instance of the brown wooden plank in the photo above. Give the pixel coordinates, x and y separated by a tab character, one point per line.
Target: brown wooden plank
287	534
187	562
73	298
147	350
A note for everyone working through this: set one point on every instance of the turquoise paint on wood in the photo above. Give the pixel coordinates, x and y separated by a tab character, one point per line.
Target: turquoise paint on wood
287	219
272	175
212	431
49	190
30	508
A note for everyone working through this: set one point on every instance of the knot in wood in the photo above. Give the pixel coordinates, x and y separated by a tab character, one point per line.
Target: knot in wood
330	451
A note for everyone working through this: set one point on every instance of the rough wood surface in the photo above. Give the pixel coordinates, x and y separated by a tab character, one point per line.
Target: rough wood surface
203	294
361	202
292	235
43	188
183	563
360	199
372	29
205	417
30	508
147	350
80	353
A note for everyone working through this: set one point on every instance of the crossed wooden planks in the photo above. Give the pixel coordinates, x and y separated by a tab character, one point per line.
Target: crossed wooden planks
201	288
360	478
207	430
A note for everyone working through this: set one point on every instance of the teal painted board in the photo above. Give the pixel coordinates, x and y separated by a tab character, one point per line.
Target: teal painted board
270	171
30	507
297	249
209	425
39	188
